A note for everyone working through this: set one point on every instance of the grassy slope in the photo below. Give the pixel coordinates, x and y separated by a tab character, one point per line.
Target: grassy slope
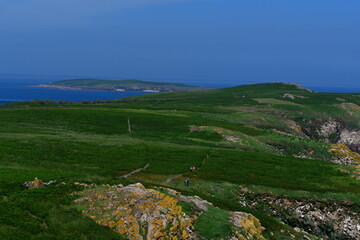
90	143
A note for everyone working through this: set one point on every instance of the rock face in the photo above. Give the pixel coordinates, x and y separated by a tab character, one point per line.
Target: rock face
326	219
249	226
329	128
335	132
351	138
138	213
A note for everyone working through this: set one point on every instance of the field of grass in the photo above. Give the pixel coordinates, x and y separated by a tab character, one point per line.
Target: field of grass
91	143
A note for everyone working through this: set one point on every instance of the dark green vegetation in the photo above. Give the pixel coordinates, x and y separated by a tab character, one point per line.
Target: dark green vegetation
123	85
170	132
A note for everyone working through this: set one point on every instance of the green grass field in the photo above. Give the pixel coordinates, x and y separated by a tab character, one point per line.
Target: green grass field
91	143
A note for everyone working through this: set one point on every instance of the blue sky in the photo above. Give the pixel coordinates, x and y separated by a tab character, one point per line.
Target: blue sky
227	41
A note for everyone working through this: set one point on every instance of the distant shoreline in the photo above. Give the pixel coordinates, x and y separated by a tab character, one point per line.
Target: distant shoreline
59	87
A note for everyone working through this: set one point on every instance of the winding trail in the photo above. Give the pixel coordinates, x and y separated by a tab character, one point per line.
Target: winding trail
169	180
135	171
172	178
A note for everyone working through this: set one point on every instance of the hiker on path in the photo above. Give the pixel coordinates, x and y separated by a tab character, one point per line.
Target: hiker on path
187	182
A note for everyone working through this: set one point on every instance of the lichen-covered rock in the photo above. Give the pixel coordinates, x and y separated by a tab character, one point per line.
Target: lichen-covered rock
346	157
37	183
246	226
137	212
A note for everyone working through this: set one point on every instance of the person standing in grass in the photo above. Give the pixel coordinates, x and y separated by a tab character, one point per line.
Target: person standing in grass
186	182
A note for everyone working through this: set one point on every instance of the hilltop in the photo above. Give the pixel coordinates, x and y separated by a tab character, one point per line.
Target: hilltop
273	161
131	85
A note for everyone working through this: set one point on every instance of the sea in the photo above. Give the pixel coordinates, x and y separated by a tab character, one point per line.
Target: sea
23	89
13	90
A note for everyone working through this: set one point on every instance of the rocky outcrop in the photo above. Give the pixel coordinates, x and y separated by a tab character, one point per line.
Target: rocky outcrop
334	131
37	183
137	212
293	125
325	219
201	204
330	129
246	226
350	106
232	138
298	86
293	96
140	213
345	156
351	139
226	134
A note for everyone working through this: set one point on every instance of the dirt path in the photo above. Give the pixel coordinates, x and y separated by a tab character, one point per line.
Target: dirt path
135	171
172	178
169	180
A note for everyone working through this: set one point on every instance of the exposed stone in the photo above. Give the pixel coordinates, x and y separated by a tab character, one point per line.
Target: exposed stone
330	127
232	138
201	204
37	183
346	157
350	106
293	125
292	96
135	211
249	226
336	132
351	138
298	86
312	216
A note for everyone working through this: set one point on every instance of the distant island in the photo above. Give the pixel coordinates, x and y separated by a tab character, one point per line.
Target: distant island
131	85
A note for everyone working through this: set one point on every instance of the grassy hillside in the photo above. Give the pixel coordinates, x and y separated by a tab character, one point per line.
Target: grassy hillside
249	136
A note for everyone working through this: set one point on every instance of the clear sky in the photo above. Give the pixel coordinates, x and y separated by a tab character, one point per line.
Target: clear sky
312	42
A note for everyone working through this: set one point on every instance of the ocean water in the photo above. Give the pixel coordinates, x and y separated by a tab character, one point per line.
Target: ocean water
13	90
17	89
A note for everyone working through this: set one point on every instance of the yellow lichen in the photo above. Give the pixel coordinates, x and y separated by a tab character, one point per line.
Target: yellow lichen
250	224
135	212
345	151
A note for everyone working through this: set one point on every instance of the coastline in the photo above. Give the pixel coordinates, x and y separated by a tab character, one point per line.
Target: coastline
60	87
